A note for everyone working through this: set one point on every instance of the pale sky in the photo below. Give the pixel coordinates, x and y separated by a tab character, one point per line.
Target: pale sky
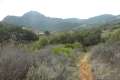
60	8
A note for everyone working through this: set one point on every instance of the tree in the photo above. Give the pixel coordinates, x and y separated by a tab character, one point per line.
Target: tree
47	33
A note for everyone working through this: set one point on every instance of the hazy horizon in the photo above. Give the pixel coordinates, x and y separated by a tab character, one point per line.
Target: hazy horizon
60	8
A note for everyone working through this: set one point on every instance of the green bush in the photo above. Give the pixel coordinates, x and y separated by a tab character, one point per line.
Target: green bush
85	37
37	45
16	34
73	45
61	49
111	36
115	35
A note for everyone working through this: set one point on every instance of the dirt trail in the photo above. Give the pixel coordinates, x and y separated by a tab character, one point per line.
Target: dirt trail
85	68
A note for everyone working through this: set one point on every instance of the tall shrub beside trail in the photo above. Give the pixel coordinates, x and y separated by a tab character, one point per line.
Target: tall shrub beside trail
105	61
50	66
14	64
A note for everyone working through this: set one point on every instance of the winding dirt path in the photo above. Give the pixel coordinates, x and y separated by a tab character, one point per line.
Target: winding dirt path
85	68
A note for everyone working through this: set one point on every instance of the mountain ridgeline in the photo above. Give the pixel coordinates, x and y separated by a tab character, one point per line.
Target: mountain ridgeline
38	21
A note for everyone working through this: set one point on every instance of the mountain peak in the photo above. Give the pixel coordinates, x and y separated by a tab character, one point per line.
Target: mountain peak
33	13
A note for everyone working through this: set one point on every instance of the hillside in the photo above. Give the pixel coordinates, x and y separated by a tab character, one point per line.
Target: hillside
89	53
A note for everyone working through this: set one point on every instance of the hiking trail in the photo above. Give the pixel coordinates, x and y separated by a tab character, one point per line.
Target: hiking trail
85	67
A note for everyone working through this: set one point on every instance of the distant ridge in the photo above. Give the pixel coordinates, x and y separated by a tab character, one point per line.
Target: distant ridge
38	21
